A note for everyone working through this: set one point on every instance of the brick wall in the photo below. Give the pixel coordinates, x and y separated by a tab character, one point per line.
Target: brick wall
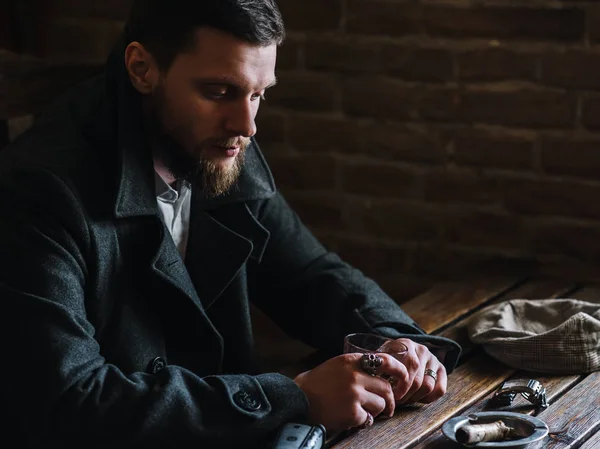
6	31
423	138
419	138
82	30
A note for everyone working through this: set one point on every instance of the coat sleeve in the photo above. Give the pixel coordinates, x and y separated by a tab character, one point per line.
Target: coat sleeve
58	389
318	298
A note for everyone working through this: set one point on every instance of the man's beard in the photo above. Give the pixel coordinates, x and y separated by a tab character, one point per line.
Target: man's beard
214	179
194	169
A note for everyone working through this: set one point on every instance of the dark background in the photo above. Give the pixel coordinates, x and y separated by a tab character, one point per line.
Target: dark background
422	140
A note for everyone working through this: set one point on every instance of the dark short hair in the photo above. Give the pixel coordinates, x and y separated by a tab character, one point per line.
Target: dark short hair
166	27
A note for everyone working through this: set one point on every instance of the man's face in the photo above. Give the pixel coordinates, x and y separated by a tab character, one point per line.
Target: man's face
204	106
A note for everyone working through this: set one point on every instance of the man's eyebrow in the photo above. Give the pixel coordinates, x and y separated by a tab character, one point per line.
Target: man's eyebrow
225	80
272	84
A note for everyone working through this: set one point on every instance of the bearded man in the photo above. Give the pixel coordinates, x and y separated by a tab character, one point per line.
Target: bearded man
140	223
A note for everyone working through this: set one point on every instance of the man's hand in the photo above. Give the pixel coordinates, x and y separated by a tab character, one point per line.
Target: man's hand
419	386
340	394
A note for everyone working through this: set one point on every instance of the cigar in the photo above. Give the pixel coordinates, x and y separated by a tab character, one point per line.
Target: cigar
475	433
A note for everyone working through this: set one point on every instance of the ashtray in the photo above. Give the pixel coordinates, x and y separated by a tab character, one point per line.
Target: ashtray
527	429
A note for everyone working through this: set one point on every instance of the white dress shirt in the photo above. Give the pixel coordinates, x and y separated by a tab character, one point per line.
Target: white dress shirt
174	204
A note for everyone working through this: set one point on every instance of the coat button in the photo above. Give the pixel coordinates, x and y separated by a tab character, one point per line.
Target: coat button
246	401
157	364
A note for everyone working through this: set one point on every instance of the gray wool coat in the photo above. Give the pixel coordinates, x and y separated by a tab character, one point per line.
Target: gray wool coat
110	338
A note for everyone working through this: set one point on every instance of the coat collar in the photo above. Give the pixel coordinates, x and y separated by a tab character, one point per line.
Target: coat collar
135	191
223	231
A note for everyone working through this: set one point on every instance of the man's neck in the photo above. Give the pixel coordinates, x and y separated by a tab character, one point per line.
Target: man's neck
164	172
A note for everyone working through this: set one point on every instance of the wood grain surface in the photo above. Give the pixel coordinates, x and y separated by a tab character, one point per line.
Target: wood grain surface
474	381
467	385
555	387
449	301
593	442
574	418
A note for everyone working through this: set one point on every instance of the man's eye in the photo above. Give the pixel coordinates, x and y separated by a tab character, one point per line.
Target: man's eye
257	96
215	93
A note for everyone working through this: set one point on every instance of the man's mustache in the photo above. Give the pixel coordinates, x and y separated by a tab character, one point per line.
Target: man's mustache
241	142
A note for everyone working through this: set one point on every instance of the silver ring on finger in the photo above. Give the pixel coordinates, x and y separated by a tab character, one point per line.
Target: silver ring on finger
368	422
432	373
369	363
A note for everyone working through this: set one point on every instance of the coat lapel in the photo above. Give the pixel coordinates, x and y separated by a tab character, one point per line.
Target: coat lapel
220	242
223	232
167	265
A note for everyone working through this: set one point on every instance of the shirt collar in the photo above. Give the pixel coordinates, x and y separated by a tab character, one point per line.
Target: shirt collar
164	191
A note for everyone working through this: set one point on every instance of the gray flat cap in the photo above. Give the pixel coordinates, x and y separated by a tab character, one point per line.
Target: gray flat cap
555	336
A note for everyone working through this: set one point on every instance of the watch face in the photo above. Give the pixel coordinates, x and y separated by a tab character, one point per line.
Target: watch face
514	383
530	389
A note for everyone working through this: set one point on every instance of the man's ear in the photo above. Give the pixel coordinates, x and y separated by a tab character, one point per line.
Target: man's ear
142	68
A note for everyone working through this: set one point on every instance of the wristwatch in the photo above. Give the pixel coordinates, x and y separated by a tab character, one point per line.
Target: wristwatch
300	436
531	389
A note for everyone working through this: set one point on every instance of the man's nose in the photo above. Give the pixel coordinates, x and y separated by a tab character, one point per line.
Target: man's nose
240	120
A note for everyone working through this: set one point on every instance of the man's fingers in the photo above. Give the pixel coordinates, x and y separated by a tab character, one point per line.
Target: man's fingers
413	361
422	386
390	368
373	403
438	390
420	377
433	386
383	389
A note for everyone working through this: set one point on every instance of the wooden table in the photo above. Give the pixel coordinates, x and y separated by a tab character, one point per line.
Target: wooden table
574	400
